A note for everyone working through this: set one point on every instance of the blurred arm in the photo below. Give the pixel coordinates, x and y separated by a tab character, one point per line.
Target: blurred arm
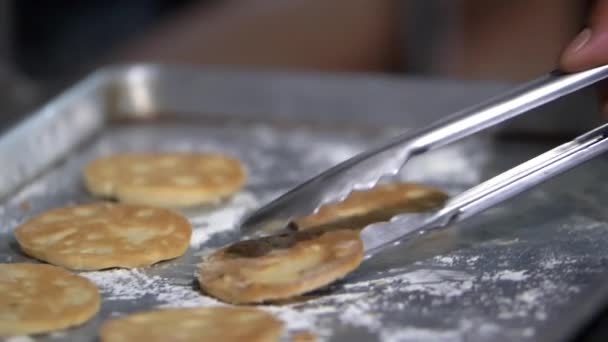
515	40
311	34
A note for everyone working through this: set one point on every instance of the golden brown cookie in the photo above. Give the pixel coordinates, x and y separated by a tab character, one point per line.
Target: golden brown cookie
280	267
36	298
165	179
378	204
194	324
103	235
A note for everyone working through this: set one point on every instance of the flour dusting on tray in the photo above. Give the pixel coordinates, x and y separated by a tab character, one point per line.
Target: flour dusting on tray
366	304
502	279
221	219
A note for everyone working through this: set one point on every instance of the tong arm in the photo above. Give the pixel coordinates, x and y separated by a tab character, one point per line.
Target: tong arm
525	176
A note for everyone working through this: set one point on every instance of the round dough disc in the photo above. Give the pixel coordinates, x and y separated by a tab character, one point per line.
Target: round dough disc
280	267
194	324
378	204
104	235
165	179
37	298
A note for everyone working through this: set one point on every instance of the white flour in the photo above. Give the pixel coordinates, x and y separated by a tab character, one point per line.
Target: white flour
122	284
221	219
358	314
553	262
508	275
449	261
529	302
413	334
446	260
19	339
8	226
442	283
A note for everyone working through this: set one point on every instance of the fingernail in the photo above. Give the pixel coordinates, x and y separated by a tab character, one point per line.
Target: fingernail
579	41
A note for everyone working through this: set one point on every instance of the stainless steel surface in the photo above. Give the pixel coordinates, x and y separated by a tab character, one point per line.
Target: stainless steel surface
496	190
365	170
48	136
508	274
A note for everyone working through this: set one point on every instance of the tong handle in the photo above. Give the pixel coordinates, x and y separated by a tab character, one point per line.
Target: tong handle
525	176
523	98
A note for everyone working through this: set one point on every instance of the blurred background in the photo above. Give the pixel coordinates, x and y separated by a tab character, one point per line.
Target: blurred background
45	45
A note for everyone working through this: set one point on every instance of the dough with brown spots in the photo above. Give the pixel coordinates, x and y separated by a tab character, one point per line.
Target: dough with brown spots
226	324
279	267
378	204
104	235
165	179
38	298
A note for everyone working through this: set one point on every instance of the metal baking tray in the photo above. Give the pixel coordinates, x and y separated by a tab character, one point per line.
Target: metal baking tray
507	275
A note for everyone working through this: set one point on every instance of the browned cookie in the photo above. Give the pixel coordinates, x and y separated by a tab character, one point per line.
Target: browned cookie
380	203
104	235
194	324
37	298
280	267
165	179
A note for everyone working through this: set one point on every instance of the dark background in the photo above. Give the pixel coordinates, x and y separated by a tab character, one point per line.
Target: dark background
55	38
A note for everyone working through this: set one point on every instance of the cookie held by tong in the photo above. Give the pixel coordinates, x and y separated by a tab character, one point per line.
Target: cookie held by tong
377	204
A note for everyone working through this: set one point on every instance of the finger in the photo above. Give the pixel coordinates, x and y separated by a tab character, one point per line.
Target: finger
590	47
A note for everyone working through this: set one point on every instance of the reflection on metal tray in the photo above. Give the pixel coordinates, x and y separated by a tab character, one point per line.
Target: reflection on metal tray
506	275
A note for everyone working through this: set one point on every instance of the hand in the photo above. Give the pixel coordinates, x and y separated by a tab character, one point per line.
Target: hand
590	47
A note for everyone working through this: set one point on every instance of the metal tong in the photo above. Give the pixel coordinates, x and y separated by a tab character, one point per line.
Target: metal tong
364	170
489	193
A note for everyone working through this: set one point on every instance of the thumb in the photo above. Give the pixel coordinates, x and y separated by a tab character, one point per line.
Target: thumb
590	47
